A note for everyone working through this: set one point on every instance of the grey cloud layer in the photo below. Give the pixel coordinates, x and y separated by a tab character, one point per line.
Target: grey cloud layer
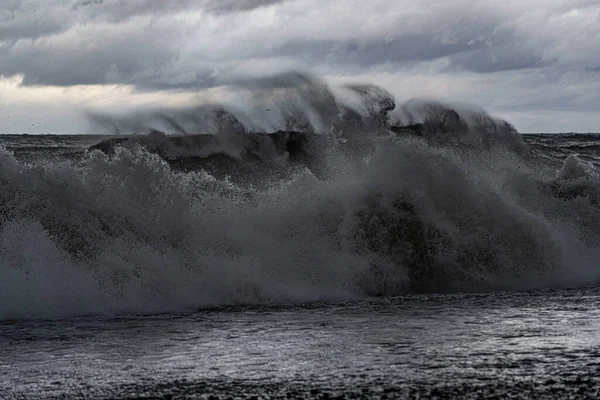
36	18
152	43
157	44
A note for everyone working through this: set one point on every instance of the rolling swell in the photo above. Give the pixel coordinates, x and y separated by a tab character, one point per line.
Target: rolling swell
157	223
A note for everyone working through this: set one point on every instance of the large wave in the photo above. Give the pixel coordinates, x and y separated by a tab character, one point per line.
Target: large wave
150	223
286	102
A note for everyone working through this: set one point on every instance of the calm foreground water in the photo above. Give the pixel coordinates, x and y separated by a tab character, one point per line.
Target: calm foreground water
542	344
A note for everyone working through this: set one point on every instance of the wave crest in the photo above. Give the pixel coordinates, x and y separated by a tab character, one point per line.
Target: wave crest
157	223
128	233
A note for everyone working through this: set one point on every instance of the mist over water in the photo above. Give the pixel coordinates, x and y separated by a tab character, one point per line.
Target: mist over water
301	193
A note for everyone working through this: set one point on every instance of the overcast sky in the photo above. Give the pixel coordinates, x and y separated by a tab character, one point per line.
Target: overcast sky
535	63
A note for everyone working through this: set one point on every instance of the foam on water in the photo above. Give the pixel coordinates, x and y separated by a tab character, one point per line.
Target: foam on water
127	233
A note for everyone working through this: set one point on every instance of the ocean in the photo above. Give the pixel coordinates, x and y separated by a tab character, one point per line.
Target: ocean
407	264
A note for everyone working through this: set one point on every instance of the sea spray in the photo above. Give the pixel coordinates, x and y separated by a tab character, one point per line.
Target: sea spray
159	223
127	233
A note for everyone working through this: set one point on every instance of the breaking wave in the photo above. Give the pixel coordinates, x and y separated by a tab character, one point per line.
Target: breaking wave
349	203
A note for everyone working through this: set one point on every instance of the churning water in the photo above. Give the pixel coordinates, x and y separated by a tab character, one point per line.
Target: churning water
308	262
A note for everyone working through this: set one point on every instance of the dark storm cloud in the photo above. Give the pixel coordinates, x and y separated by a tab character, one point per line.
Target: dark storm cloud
466	53
24	19
113	48
499	58
136	42
238	5
140	42
89	57
119	10
367	53
16	22
197	44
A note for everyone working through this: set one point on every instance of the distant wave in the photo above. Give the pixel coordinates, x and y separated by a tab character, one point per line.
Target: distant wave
337	202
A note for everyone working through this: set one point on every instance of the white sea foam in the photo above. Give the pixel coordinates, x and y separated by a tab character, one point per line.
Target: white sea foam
127	233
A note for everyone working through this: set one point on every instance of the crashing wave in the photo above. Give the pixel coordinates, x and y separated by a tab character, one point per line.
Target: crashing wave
296	102
287	102
158	222
299	118
445	125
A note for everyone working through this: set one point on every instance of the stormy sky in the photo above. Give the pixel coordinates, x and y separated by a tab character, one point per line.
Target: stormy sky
535	63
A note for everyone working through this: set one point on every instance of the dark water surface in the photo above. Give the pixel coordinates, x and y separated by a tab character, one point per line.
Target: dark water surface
541	344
